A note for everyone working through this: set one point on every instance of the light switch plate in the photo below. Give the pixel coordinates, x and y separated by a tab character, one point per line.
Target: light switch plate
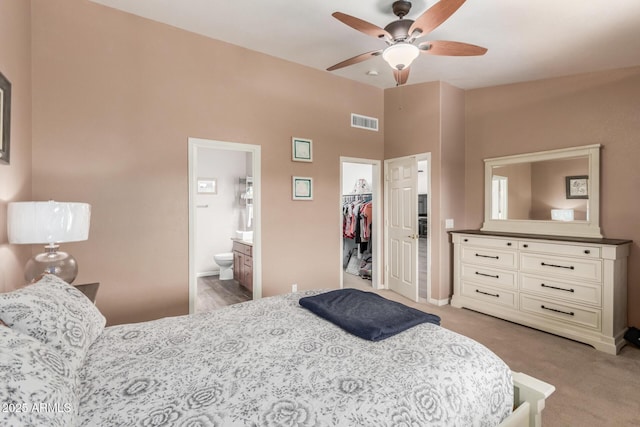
448	223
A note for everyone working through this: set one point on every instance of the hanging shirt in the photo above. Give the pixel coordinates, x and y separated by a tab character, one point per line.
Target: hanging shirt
367	211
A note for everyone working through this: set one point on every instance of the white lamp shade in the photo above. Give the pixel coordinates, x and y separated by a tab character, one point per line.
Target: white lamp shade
400	55
48	222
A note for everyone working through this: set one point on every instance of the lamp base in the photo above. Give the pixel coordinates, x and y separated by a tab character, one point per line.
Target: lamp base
53	262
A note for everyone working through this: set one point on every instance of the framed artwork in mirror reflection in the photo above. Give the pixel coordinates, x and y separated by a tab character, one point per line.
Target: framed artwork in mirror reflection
207	186
577	187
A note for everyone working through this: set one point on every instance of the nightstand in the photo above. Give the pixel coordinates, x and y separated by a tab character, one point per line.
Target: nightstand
89	289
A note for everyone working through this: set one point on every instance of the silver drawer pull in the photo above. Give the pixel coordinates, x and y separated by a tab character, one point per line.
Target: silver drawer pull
568	267
488	256
555	287
487	293
487	275
570	313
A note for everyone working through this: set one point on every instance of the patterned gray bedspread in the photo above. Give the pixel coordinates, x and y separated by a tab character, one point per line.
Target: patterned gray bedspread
271	362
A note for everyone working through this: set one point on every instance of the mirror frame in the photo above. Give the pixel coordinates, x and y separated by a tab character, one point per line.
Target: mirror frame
589	228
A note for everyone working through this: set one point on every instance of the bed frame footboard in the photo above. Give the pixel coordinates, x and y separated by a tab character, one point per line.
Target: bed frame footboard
529	399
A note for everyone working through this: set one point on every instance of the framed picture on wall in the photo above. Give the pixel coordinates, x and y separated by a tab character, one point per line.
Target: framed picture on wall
207	186
301	150
577	187
5	118
302	188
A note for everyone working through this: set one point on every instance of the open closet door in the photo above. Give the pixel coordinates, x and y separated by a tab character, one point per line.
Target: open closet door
402	216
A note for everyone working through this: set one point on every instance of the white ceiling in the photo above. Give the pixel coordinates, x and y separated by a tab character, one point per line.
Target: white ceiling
526	39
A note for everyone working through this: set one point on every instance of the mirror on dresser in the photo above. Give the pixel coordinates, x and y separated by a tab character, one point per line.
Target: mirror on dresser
554	192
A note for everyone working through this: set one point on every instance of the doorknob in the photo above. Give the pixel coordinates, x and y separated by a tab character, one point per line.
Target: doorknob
413	236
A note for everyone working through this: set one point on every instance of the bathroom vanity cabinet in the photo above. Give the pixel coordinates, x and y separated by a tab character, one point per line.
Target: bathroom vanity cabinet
243	263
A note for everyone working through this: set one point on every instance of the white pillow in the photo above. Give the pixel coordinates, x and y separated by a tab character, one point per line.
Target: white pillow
55	313
38	386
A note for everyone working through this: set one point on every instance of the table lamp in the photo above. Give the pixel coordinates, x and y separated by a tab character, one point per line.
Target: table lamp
49	223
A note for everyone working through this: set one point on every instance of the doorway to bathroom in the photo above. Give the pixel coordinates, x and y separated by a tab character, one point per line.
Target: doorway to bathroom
224	223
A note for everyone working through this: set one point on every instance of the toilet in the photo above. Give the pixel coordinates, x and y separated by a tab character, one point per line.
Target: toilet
225	261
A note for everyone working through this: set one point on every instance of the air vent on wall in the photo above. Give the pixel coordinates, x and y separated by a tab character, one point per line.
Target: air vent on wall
364	122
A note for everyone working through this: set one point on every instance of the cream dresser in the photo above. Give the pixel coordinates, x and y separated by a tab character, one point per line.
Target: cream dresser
572	287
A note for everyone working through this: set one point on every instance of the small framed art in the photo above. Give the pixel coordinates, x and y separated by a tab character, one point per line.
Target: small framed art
5	118
301	150
207	186
302	188
577	187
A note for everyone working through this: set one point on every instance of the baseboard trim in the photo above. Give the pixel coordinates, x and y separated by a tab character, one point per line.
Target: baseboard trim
208	273
439	302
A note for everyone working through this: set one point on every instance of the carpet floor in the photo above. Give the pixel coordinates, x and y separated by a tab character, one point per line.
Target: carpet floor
592	388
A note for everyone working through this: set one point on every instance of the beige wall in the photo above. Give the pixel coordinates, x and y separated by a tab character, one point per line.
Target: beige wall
412	126
451	184
116	98
429	118
15	178
566	112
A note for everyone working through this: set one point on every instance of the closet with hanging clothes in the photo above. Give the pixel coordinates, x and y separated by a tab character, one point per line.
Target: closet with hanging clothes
357	229
357	224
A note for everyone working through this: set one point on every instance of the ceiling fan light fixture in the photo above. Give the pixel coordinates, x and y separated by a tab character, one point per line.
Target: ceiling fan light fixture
400	55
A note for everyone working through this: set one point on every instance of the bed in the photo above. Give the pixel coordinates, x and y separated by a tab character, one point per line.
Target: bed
269	362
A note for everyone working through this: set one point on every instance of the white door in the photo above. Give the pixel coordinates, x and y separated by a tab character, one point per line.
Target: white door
402	226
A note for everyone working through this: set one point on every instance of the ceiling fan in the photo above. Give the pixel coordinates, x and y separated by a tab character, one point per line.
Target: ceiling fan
400	36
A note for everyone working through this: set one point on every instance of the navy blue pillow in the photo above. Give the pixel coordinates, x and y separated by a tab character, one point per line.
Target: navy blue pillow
366	314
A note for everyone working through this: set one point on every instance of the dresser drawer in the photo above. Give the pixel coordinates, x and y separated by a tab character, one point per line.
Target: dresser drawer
485	293
489	256
580	292
582	316
556	249
573	268
499	278
489	243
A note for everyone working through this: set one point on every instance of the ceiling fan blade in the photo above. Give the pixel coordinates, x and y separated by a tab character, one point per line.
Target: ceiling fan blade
401	76
449	48
355	59
435	15
362	26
